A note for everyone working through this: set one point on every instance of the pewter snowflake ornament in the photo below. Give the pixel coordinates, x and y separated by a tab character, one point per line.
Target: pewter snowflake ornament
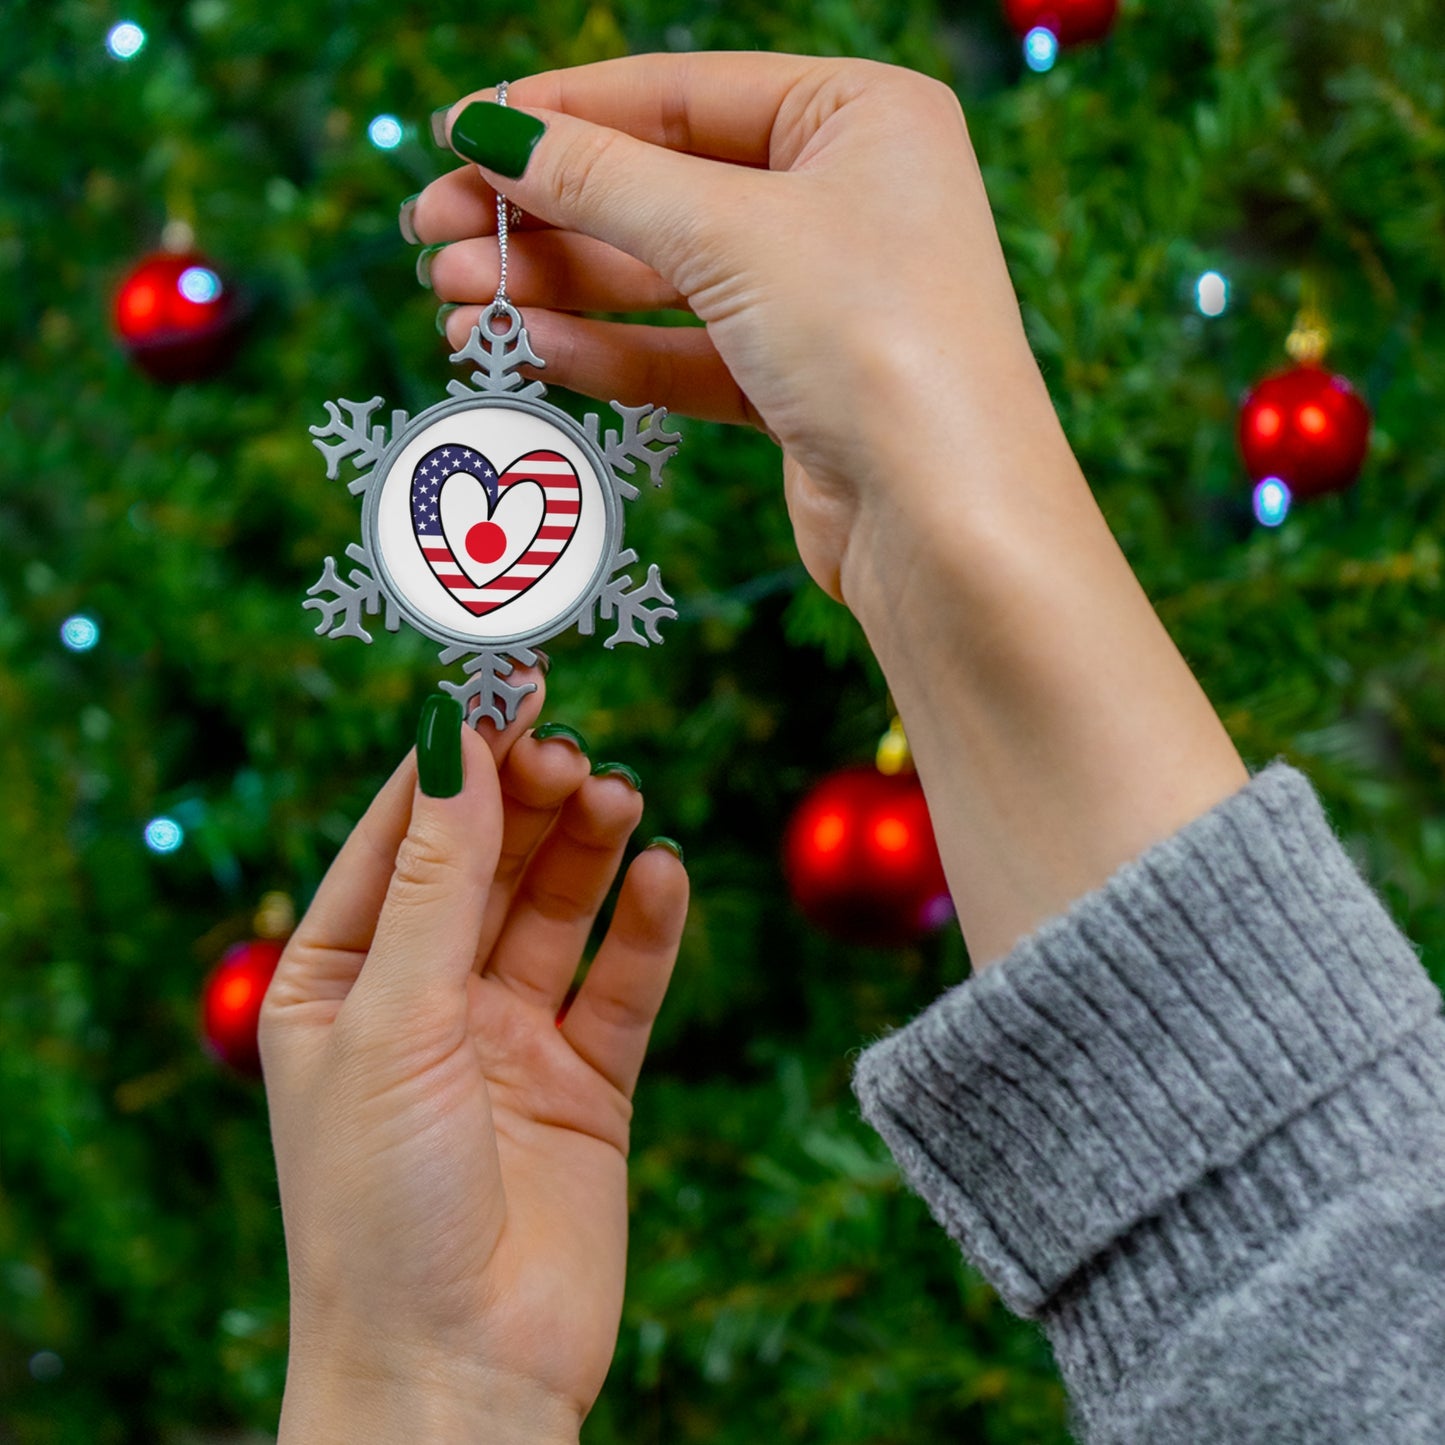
492	521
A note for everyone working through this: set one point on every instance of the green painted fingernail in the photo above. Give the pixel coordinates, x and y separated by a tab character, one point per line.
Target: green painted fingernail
404	219
443	312
423	262
671	844
617	770
496	136
561	730
439	747
439	125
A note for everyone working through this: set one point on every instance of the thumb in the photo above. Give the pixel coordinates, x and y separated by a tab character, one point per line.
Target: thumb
656	204
426	934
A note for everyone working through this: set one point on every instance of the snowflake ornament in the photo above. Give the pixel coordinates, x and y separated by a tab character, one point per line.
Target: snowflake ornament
492	521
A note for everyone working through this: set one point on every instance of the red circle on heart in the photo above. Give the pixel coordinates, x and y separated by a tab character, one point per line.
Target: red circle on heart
486	542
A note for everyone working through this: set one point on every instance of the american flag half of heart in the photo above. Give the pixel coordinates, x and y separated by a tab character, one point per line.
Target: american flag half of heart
562	491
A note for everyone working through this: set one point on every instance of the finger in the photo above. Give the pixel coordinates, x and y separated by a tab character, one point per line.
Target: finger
611	1019
557	269
460	204
539	776
324	954
673	366
421	954
562	890
725	105
650	202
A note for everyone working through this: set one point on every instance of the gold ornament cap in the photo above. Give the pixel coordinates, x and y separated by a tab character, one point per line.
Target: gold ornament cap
894	755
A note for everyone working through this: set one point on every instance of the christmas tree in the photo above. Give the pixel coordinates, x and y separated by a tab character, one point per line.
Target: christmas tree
178	744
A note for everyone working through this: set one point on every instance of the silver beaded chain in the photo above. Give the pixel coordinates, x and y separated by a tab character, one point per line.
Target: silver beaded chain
501	299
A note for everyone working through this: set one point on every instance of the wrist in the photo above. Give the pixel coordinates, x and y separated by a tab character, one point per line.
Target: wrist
409	1399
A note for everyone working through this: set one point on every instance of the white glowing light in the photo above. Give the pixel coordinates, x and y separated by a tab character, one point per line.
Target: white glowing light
1211	293
126	40
79	633
385	132
1271	502
164	835
1041	48
199	284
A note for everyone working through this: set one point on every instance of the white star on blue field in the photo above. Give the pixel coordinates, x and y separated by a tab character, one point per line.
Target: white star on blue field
433	469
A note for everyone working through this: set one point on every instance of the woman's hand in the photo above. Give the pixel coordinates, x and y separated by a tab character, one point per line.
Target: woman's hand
825	218
452	1158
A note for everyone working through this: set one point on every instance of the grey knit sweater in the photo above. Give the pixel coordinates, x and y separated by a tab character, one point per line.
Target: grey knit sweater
1196	1127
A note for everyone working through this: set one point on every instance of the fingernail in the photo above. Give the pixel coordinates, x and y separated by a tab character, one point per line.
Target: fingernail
671	844
439	125
543	661
496	136
617	770
561	730
443	312
423	263
439	747
404	220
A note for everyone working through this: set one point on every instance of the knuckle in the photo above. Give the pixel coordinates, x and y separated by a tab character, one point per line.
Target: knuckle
579	169
424	863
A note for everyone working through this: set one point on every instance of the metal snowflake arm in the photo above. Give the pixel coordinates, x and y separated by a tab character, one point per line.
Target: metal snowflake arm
359	440
631	607
485	693
643	438
498	355
341	613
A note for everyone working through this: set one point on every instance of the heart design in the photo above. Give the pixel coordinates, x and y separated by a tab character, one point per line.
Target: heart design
490	537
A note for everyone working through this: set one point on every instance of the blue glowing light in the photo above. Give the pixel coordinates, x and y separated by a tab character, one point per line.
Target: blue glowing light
164	835
385	132
1271	502
1041	48
1211	293
126	40
80	633
199	284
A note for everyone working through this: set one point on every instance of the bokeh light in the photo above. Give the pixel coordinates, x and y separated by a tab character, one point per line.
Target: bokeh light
126	40
1041	48
385	132
1211	293
80	633
199	284
1271	501
164	835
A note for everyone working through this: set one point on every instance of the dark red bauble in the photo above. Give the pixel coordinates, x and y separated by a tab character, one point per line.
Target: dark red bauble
231	1003
1073	22
176	317
1307	427
861	860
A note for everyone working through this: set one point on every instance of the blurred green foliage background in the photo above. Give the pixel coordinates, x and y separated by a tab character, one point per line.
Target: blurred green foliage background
783	1285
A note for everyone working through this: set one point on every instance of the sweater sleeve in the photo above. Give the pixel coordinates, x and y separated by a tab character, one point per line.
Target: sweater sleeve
1195	1126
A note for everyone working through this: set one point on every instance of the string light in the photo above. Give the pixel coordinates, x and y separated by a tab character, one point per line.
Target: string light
385	132
126	40
164	835
199	284
80	633
1211	294
1041	48
1271	502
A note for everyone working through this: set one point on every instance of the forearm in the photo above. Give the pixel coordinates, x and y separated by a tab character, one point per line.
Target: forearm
1057	730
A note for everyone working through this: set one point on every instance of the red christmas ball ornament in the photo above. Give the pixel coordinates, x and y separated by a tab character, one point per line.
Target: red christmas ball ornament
861	860
176	318
1307	427
1071	22
231	1003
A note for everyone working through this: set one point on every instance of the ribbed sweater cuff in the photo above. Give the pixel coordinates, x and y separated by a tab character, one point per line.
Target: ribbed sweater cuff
1214	988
